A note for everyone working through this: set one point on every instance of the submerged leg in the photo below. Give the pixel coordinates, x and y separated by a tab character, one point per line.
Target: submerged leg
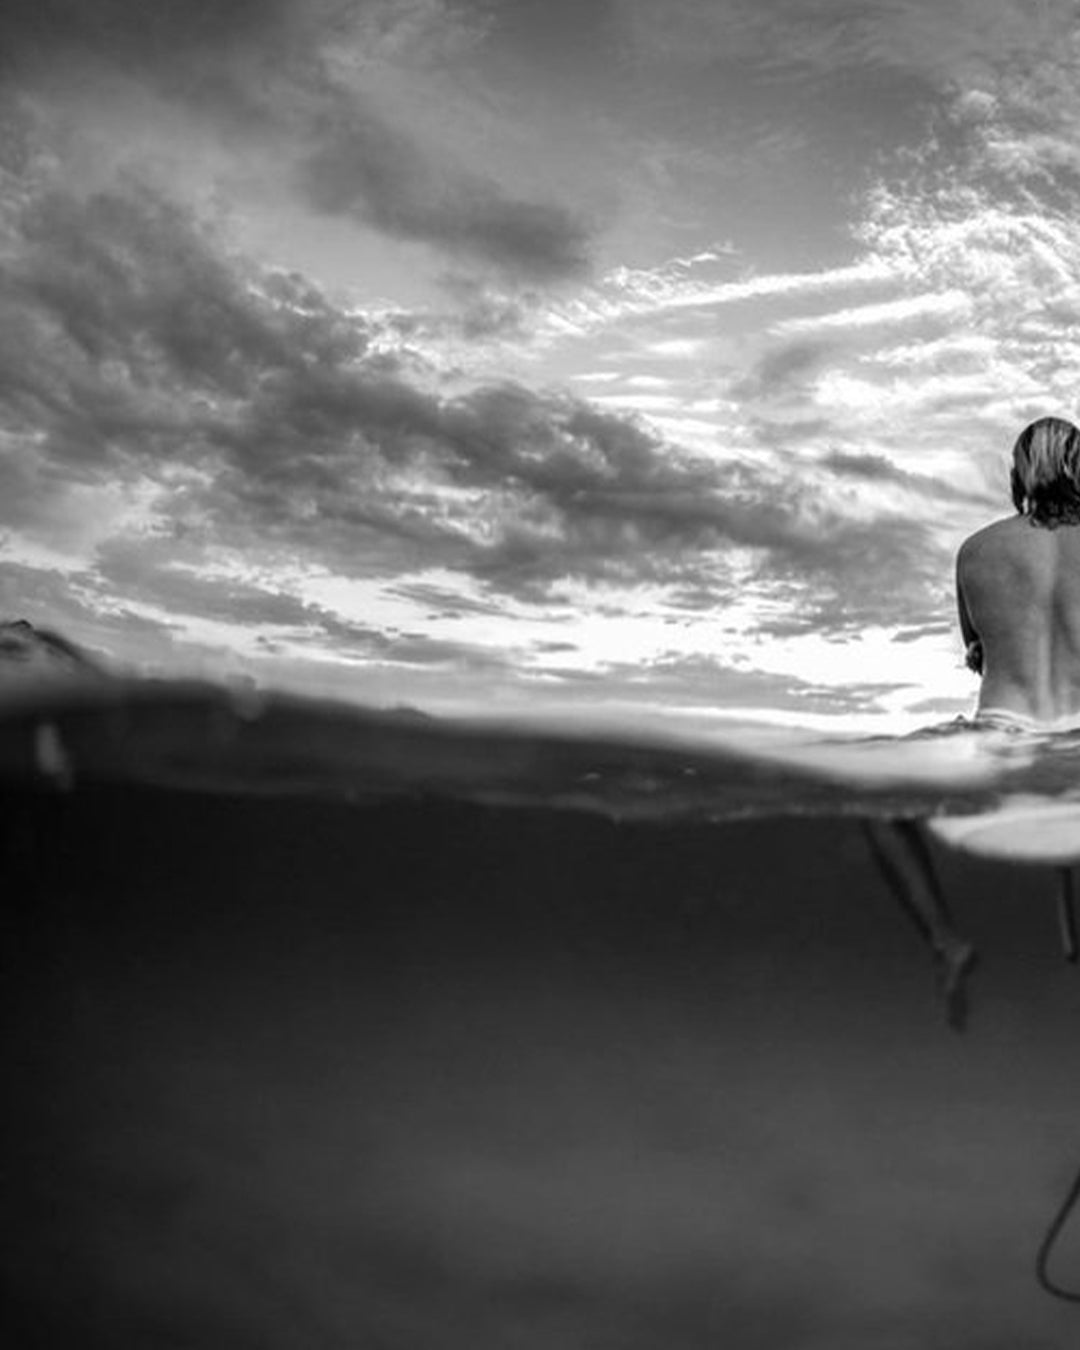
1067	915
901	852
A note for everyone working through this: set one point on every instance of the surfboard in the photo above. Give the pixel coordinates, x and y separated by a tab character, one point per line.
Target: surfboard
1021	829
1027	829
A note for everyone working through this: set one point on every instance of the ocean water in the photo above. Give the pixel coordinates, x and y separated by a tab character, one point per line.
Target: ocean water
334	1027
209	738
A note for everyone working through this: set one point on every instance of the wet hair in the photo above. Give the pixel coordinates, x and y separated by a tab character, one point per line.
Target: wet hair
1045	478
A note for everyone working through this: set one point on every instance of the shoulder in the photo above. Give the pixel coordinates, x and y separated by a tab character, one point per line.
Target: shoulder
999	536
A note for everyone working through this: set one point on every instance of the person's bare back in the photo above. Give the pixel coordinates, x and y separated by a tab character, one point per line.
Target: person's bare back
1018	585
1018	588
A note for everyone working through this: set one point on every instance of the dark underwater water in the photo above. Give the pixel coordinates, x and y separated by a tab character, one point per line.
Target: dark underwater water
290	1071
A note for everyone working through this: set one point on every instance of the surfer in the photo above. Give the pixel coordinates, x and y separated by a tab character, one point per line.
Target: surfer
1018	597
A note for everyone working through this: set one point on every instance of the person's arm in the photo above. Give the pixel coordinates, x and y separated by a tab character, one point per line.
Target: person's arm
973	652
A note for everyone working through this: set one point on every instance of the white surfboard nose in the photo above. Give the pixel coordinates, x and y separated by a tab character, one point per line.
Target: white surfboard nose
1023	829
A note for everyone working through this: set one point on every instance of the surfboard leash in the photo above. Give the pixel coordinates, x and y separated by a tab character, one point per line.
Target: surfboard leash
1042	1260
1067	928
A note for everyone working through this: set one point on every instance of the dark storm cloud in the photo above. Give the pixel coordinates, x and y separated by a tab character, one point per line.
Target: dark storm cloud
369	170
123	325
135	350
257	65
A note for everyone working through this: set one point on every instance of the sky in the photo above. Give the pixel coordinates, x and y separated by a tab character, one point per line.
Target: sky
512	355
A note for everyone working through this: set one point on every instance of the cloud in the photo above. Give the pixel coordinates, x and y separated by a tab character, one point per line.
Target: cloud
371	171
819	39
246	435
263	427
125	568
280	84
222	61
446	602
925	630
880	469
984	250
644	294
785	370
713	682
421	649
78	605
1004	236
122	31
948	307
131	600
420	33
